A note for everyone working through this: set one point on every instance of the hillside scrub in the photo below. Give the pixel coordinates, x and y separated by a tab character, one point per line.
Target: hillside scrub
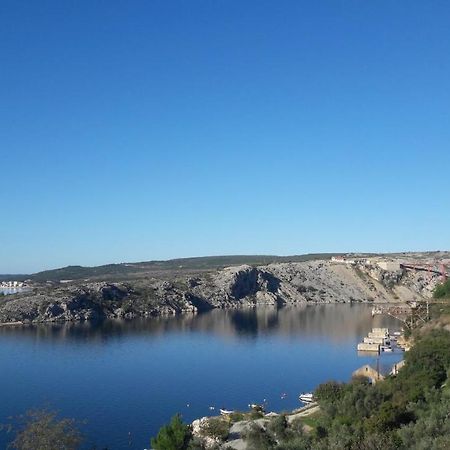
217	428
442	290
409	411
357	414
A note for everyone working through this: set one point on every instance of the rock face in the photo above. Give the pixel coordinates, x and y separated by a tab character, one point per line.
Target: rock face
239	285
274	284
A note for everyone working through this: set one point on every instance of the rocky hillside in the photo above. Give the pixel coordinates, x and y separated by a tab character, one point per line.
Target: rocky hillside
245	285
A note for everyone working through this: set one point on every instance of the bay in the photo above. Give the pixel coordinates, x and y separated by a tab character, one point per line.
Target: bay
127	378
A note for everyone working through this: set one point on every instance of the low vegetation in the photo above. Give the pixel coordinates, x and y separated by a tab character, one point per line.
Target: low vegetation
216	427
127	271
440	311
442	290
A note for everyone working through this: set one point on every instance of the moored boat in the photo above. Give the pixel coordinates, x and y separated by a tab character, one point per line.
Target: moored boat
306	398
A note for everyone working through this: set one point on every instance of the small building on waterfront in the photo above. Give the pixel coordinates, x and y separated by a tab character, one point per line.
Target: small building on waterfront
369	372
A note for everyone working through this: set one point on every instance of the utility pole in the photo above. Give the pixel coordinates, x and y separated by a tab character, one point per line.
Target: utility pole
378	366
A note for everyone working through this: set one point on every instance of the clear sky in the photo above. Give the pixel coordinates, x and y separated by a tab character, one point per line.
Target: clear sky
138	130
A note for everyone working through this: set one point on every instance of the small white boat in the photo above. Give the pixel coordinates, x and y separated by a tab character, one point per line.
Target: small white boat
306	398
224	412
387	349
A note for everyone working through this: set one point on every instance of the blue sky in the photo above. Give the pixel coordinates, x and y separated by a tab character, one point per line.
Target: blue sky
157	129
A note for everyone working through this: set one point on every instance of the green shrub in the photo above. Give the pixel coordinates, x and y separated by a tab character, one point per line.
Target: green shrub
174	436
258	439
236	417
442	290
278	428
329	392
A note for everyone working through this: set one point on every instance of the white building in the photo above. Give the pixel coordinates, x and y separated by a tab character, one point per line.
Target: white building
342	260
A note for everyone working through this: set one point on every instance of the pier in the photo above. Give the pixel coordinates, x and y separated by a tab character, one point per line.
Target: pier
393	310
375	340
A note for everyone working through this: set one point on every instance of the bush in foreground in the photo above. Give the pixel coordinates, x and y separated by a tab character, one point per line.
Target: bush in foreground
174	436
42	430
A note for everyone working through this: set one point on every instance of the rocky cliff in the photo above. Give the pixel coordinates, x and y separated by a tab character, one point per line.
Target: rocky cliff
276	284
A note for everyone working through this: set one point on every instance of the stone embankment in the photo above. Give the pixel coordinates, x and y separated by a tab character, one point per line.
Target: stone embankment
273	284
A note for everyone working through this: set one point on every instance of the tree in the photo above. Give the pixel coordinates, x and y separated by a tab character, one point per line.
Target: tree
41	430
277	427
174	436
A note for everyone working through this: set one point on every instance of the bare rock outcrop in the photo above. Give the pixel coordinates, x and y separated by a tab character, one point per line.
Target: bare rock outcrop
273	284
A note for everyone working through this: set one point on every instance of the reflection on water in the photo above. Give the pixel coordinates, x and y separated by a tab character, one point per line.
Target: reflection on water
333	321
132	376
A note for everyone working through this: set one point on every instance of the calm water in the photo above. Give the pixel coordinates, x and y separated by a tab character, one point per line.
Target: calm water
130	377
10	290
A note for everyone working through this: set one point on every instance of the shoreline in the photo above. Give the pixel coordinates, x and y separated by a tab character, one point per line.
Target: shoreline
238	428
188	312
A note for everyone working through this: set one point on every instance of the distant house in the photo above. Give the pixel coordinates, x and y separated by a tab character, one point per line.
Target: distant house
369	372
342	260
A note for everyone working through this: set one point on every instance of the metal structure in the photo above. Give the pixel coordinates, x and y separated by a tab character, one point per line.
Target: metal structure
410	314
418	311
436	268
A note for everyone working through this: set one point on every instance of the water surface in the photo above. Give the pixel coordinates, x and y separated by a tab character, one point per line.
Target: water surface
11	290
127	378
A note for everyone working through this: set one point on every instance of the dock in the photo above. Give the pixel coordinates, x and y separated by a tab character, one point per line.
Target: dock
364	347
375	339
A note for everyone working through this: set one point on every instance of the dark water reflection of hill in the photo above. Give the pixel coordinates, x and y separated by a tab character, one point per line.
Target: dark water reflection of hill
334	321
